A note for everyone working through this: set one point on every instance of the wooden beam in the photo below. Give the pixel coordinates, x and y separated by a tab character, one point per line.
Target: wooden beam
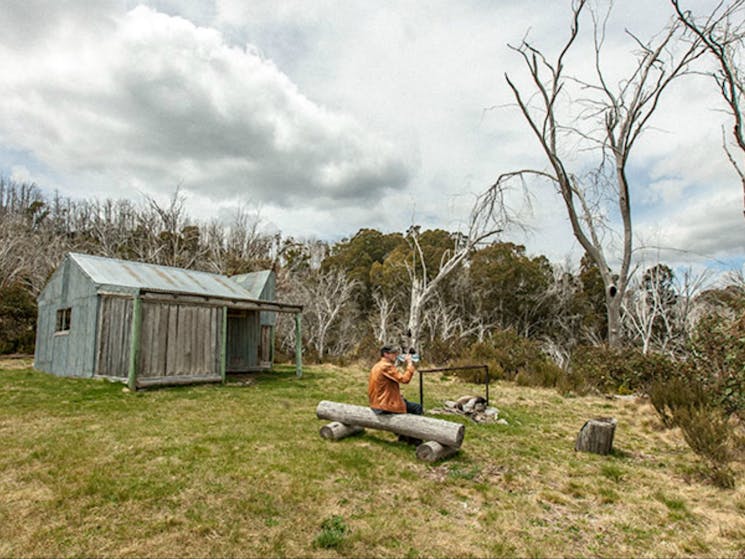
176	380
206	300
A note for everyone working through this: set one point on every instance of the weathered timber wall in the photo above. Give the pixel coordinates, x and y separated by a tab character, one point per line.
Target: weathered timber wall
69	353
114	332
179	341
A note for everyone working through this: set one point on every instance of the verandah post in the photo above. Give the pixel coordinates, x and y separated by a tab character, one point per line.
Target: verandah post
134	342
223	344
298	345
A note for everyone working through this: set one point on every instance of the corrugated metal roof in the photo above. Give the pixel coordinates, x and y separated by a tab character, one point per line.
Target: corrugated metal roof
253	282
139	275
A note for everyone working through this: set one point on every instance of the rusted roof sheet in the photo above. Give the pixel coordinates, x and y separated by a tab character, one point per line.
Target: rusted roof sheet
138	275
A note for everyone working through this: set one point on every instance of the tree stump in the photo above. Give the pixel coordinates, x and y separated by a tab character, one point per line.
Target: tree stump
596	435
335	430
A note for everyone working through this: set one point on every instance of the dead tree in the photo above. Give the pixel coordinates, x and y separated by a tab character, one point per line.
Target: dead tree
481	226
722	33
613	118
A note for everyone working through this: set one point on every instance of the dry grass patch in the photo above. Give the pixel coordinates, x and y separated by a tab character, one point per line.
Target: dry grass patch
240	470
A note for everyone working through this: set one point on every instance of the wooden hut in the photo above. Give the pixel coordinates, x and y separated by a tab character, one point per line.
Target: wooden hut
155	325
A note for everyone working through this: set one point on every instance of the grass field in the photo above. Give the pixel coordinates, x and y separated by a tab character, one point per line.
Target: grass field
90	469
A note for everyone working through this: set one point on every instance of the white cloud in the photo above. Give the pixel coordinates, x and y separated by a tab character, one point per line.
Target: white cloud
331	116
159	101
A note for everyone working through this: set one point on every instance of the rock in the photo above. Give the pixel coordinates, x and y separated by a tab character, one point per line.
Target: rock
474	407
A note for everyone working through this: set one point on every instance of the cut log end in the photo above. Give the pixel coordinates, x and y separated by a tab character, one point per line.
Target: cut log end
432	451
335	430
596	435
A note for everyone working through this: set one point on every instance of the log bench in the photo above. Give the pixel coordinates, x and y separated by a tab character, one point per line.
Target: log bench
441	438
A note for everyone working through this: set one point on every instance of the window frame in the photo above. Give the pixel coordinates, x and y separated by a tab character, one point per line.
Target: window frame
64	320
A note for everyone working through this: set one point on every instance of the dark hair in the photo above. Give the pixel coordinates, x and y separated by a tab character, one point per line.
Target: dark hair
388	349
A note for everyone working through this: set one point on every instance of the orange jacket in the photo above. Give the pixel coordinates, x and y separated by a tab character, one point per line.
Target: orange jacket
383	387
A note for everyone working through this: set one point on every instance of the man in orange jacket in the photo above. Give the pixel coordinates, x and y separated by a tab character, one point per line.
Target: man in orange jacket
383	388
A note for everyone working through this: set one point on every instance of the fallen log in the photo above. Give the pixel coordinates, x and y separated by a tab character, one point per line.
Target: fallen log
596	435
335	430
447	433
432	451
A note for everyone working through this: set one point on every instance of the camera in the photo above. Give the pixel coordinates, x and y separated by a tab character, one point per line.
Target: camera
414	356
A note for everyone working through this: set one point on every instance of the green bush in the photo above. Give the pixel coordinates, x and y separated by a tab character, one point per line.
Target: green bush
510	357
717	351
688	399
618	370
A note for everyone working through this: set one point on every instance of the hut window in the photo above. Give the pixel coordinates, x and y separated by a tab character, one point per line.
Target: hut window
63	319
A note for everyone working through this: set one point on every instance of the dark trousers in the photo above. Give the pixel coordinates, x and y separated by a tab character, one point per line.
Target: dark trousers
411	407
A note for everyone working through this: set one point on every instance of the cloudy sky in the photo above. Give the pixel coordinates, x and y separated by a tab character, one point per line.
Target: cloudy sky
327	116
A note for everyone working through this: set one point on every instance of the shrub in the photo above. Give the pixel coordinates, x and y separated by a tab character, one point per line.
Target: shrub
709	435
542	373
668	395
618	370
717	359
445	350
683	400
508	356
333	531
17	320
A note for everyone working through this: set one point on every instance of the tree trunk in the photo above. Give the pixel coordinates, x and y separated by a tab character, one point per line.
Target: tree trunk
415	313
596	435
447	433
613	304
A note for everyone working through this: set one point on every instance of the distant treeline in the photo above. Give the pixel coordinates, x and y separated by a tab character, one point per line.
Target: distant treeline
356	292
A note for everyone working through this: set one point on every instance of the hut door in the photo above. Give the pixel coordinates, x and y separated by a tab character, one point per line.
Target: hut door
243	339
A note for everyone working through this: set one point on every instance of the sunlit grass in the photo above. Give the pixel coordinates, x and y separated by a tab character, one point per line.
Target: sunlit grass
91	469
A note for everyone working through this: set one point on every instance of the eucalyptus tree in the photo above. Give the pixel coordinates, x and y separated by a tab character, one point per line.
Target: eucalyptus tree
613	114
357	256
512	288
